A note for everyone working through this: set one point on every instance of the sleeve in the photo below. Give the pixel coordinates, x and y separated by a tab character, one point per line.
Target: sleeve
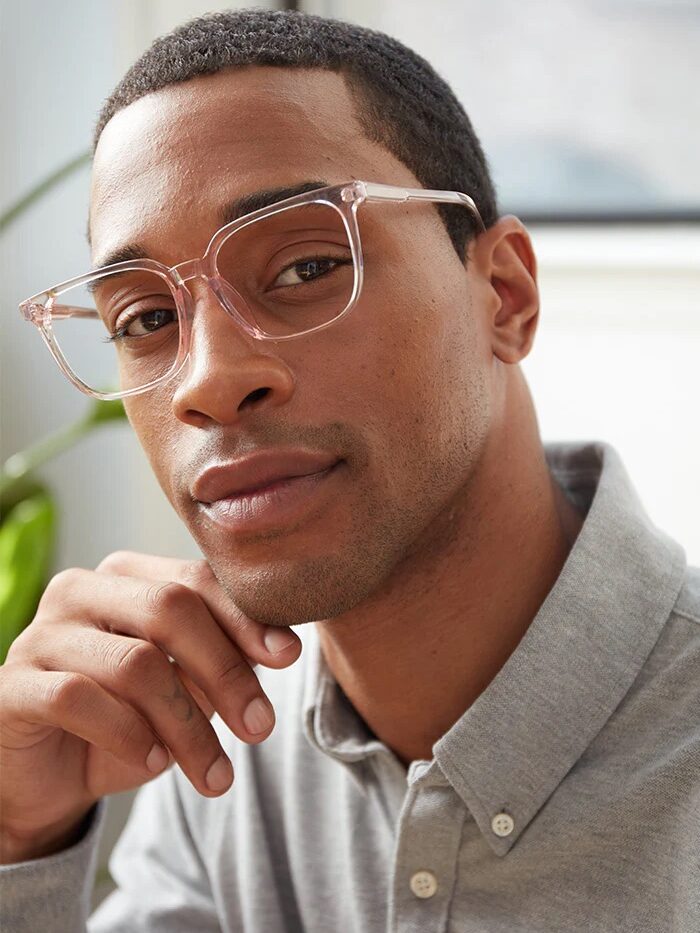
162	882
53	892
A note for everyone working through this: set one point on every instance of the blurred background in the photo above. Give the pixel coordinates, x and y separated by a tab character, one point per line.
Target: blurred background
589	114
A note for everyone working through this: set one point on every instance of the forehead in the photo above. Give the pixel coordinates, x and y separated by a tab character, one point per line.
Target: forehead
170	160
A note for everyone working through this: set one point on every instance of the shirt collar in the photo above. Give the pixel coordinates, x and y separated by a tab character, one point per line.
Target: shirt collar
578	658
329	720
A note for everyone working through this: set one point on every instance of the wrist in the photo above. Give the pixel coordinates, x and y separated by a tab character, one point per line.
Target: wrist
25	847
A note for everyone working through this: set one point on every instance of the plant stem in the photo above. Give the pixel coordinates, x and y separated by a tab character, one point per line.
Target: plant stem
19	465
28	199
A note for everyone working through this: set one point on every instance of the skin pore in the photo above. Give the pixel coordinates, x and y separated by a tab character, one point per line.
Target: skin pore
432	548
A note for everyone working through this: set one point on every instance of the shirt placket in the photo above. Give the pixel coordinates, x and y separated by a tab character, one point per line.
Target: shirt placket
426	852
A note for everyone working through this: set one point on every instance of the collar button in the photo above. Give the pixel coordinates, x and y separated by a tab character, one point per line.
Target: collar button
502	824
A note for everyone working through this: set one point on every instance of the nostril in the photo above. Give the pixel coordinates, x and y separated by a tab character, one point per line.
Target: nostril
254	396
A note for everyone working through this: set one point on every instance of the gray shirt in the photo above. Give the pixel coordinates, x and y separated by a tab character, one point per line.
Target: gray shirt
566	798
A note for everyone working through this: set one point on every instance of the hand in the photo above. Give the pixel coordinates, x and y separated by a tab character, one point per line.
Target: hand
115	678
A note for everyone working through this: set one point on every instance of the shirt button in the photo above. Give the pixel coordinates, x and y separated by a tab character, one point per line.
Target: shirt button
423	883
502	824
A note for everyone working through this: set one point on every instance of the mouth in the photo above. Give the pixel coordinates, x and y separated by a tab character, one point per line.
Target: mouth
275	505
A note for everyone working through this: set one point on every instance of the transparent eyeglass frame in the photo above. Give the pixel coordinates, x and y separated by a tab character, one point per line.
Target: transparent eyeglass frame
42	309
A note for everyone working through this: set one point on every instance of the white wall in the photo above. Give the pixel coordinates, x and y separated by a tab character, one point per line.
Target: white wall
579	103
617	357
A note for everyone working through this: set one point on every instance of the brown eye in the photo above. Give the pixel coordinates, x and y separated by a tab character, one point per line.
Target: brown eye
306	271
147	322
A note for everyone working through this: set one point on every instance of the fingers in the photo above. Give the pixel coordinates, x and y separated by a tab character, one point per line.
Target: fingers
126	677
170	620
272	646
198	695
136	657
77	704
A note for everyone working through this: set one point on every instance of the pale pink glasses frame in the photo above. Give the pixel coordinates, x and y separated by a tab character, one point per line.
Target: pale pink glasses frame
42	308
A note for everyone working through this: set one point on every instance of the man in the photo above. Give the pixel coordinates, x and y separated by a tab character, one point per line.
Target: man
491	724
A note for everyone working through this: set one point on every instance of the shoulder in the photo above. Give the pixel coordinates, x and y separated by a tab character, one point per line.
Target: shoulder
687	605
665	697
671	668
650	746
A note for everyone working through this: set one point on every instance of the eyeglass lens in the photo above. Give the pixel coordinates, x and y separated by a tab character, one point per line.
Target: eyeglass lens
285	273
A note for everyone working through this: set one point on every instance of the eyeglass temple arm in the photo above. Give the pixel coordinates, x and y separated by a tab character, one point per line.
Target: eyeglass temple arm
38	313
377	192
72	311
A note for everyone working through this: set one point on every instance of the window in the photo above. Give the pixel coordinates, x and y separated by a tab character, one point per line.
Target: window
587	109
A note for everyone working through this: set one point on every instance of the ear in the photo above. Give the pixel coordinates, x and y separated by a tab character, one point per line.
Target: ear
504	262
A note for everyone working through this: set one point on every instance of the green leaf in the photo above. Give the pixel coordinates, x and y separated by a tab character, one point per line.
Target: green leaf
27	539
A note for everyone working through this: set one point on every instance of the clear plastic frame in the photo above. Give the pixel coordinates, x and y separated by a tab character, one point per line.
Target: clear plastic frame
232	247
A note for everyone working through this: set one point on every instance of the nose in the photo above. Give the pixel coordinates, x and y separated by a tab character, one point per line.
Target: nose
229	371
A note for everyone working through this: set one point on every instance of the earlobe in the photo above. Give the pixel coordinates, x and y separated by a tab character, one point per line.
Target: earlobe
508	260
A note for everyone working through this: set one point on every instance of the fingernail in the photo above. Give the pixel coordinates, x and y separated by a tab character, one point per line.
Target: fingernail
157	759
220	775
258	716
277	639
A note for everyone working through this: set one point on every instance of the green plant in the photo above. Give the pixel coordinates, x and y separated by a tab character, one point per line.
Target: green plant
28	514
28	510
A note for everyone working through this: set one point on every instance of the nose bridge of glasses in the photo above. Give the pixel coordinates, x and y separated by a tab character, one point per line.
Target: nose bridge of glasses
190	269
195	269
225	294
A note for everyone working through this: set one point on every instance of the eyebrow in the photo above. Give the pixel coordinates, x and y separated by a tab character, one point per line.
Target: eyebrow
226	214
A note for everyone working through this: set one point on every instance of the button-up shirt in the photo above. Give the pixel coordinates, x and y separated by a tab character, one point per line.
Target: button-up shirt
565	799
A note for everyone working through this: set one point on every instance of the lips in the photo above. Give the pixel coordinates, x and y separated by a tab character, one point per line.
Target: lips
238	477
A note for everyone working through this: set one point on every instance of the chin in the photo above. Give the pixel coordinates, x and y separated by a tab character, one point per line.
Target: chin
295	592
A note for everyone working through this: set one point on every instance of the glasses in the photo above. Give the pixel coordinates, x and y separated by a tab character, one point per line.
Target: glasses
287	270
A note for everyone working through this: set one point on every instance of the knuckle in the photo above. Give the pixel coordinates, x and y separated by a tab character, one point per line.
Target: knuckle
67	693
21	648
62	584
195	574
6	685
232	671
164	598
206	743
115	562
240	624
128	733
137	662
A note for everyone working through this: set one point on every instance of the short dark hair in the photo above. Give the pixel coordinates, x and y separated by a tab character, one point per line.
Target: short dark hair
403	103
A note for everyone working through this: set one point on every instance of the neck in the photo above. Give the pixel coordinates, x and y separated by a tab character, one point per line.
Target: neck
415	657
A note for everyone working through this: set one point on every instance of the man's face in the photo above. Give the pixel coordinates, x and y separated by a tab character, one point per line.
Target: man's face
399	388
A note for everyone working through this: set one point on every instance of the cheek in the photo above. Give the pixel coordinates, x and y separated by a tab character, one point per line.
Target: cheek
422	351
406	372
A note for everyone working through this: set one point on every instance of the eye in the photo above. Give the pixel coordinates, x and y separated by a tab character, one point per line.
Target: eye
307	270
147	322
